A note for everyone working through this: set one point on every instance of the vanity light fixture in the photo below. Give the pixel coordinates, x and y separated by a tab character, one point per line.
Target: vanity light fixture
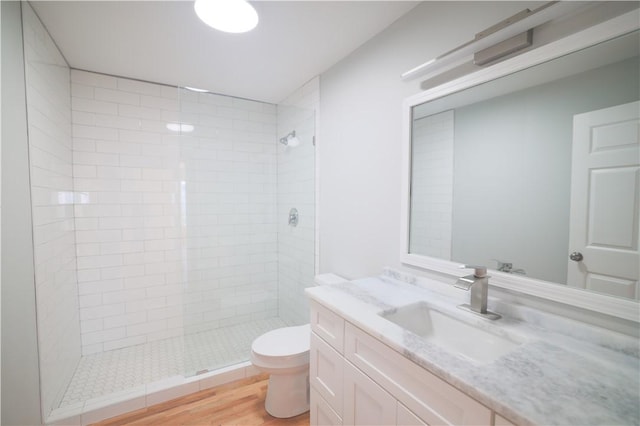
504	38
230	16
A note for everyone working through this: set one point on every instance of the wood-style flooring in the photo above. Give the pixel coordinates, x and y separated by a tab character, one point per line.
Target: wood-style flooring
237	403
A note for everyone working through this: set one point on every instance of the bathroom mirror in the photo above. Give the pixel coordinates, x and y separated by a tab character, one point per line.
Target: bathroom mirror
495	172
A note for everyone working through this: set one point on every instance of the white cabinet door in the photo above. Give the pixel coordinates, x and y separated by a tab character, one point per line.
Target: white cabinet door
325	373
430	397
501	421
405	417
366	403
321	412
605	201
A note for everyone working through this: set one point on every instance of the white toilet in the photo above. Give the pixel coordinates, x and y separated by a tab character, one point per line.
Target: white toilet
284	354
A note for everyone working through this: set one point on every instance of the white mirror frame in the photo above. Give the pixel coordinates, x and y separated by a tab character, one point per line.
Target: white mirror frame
604	304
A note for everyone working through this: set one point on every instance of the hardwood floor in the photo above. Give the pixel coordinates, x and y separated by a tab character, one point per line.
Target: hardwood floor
237	403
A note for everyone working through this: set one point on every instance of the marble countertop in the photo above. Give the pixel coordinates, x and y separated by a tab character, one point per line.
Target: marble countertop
564	372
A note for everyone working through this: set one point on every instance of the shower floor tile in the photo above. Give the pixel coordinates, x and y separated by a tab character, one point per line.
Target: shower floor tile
109	372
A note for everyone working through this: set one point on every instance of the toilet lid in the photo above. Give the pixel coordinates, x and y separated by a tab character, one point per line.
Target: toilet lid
285	341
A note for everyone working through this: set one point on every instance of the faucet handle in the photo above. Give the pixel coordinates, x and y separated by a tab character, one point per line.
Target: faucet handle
478	271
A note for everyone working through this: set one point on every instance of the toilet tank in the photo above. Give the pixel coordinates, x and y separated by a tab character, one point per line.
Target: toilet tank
324	279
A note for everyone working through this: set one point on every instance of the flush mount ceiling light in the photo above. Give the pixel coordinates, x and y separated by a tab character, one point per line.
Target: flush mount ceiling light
231	16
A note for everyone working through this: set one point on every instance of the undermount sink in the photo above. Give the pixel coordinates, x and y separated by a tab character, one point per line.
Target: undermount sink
450	333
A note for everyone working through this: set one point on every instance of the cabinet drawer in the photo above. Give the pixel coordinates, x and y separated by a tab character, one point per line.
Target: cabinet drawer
326	372
321	412
328	325
426	395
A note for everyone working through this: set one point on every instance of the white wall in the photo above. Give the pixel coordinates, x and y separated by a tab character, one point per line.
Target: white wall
20	372
0	214
50	154
359	154
296	188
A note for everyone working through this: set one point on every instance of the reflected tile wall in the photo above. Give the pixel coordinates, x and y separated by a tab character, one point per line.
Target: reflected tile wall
432	185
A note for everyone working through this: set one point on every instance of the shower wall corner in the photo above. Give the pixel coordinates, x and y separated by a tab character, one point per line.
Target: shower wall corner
48	96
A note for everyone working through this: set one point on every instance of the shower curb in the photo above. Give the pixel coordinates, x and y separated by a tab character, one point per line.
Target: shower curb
143	396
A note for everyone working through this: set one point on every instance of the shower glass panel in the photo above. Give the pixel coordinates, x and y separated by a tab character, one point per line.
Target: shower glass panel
229	198
296	190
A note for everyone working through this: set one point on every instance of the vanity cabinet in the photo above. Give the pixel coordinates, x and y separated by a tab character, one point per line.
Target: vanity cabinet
365	402
321	411
406	418
358	380
328	325
326	367
429	397
501	421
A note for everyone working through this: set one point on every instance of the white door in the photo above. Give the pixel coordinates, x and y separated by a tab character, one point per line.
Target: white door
605	214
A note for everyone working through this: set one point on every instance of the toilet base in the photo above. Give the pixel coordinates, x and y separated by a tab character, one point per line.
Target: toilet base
288	394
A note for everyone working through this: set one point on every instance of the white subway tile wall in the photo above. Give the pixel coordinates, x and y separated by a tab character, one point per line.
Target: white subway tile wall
50	151
296	189
175	213
230	211
432	180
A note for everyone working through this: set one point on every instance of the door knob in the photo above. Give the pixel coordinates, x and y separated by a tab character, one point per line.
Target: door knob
576	256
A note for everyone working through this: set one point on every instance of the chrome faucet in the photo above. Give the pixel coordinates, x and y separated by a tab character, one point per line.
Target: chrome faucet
478	283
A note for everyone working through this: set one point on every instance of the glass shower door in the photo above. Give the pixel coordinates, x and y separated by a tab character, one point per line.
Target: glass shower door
230	231
296	192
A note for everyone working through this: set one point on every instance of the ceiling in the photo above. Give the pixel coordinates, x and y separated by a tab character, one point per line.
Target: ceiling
165	42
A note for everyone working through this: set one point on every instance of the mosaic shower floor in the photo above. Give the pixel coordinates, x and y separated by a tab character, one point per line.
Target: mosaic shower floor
108	372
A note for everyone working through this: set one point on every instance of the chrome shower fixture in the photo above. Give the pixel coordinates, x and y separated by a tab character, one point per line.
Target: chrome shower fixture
290	139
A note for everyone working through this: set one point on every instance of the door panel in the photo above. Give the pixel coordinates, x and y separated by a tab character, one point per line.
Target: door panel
605	213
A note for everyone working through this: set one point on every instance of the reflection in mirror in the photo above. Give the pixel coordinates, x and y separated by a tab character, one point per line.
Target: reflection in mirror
520	172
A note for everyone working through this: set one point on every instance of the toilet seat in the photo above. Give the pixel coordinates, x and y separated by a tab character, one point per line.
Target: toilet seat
285	347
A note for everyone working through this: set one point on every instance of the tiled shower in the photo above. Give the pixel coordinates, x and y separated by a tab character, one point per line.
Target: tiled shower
161	239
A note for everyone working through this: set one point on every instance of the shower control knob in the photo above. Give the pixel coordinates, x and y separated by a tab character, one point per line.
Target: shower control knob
293	217
576	256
